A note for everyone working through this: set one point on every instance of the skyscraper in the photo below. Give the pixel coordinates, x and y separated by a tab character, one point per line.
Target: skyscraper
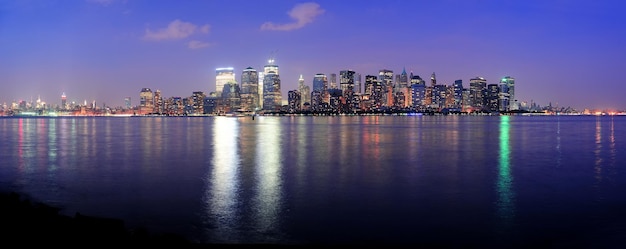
457	90
223	76
506	92
305	91
272	97
346	81
385	78
249	89
478	93
63	101
333	81
433	80
402	80
146	101
127	102
320	83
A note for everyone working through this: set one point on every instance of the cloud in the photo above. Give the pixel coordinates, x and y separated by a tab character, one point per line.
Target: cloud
303	14
176	30
205	29
197	44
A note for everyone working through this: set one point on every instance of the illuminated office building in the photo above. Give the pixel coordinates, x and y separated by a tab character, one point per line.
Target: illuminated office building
224	75
249	89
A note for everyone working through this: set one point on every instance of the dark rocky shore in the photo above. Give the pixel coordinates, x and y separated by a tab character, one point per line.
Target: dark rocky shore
26	222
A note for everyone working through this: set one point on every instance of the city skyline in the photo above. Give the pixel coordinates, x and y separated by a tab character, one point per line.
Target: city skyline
107	50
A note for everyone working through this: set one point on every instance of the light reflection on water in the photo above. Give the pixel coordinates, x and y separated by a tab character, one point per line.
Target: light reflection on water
506	196
222	195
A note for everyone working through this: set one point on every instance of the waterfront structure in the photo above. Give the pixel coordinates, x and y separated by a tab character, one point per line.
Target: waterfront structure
249	89
223	76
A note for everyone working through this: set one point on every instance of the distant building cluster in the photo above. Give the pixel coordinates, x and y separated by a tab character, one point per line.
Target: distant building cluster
260	92
346	93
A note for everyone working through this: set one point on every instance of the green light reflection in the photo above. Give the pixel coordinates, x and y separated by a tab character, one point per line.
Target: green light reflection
506	197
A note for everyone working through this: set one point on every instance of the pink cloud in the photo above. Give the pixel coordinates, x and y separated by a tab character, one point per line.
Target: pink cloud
175	30
303	14
197	44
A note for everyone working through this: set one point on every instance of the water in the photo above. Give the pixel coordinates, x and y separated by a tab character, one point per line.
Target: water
418	180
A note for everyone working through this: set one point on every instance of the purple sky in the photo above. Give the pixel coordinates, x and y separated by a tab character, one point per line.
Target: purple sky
570	53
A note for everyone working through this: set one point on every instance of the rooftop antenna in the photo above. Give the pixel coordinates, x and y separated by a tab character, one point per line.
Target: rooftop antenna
272	56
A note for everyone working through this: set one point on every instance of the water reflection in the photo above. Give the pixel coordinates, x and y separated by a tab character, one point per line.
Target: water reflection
222	196
612	143
506	196
52	146
597	152
268	175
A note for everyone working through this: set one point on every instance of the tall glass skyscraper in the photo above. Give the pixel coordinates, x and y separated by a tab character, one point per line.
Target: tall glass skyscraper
320	83
506	94
272	97
249	89
224	75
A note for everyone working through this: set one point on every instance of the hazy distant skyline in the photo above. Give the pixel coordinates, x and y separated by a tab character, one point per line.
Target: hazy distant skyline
565	52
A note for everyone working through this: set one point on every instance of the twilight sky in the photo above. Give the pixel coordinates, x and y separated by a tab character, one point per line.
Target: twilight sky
570	53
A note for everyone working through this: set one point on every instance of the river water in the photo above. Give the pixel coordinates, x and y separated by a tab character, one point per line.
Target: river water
409	180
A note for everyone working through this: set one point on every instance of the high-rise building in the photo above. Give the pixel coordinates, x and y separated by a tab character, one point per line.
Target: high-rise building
224	75
478	93
418	91
433	79
294	101
305	91
63	101
272	97
357	83
346	81
158	102
197	102
333	81
127	102
249	89
493	97
457	93
320	83
272	100
146	101
510	83
402	80
385	78
506	93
